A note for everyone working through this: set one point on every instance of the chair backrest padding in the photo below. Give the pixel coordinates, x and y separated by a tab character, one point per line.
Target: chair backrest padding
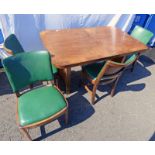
117	67
13	44
26	68
142	34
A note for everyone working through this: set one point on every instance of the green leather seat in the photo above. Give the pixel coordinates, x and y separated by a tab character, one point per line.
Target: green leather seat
39	104
13	44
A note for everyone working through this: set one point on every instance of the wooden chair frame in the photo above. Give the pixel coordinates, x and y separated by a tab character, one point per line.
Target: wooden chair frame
24	129
7	50
134	63
112	78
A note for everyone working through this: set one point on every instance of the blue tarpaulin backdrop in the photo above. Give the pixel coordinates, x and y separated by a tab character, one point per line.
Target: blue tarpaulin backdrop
28	26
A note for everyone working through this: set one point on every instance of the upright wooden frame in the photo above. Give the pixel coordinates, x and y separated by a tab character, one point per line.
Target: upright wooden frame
111	79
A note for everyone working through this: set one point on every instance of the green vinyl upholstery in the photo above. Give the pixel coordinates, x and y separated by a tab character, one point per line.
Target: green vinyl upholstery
39	104
54	69
141	34
93	69
13	44
22	69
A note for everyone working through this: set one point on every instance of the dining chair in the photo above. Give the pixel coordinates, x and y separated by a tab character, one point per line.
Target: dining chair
12	46
38	104
104	73
144	36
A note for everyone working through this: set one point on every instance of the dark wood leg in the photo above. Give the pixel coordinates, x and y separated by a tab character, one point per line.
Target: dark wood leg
68	79
133	65
93	93
25	132
114	87
66	75
56	80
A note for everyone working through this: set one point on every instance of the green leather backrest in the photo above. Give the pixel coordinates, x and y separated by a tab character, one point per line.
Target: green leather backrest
12	43
26	68
131	59
142	34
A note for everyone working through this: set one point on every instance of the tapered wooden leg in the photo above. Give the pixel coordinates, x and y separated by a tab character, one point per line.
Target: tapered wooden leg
133	65
66	117
93	94
66	75
25	132
67	79
114	87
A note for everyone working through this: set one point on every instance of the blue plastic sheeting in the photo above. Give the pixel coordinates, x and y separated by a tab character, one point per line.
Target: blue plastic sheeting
140	19
27	27
150	25
1	37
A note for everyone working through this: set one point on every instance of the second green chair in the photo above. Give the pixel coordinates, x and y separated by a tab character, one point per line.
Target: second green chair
143	35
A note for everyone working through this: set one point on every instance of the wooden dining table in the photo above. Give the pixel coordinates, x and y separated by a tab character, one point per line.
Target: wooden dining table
76	47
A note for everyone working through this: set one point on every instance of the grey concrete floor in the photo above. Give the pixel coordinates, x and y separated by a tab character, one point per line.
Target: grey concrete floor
129	115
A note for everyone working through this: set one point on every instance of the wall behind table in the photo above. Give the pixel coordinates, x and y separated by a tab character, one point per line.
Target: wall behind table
28	26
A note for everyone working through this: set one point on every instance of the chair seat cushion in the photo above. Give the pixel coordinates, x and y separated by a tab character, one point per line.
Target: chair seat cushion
93	69
39	104
54	69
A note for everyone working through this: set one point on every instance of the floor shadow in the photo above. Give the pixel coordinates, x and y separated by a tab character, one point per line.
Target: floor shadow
152	137
126	81
75	81
79	110
146	61
5	87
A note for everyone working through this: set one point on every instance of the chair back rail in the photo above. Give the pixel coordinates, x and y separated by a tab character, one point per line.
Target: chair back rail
112	70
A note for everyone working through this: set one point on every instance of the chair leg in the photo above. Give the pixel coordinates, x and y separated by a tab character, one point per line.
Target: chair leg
114	87
25	132
93	94
133	65
66	117
56	81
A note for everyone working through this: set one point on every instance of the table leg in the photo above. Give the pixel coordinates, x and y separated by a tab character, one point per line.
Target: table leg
66	75
67	79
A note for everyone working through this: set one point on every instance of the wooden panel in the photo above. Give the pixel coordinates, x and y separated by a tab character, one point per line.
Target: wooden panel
71	47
